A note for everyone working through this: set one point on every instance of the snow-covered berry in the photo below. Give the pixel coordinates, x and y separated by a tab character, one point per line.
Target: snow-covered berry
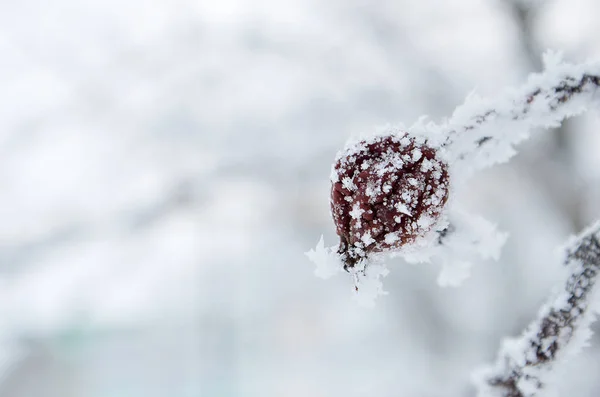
387	191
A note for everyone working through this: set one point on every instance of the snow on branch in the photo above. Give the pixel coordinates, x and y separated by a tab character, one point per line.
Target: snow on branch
482	132
523	365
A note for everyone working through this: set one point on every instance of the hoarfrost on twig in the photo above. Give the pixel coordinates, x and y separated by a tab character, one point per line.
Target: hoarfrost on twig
562	328
480	133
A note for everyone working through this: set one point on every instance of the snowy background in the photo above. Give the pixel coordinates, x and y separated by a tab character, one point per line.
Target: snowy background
164	165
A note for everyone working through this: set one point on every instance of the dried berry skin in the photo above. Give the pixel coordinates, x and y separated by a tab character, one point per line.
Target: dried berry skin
386	191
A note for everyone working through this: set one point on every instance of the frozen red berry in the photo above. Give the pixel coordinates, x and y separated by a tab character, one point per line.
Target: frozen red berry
386	192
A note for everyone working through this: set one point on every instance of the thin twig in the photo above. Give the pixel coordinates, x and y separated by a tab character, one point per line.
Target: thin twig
481	126
523	364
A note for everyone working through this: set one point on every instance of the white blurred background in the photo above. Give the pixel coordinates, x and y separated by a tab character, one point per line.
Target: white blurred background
165	164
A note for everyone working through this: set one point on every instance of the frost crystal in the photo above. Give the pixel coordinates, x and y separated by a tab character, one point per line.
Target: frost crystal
366	275
466	239
328	264
367	281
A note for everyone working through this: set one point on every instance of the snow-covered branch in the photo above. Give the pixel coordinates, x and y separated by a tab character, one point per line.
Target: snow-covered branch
523	365
482	132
